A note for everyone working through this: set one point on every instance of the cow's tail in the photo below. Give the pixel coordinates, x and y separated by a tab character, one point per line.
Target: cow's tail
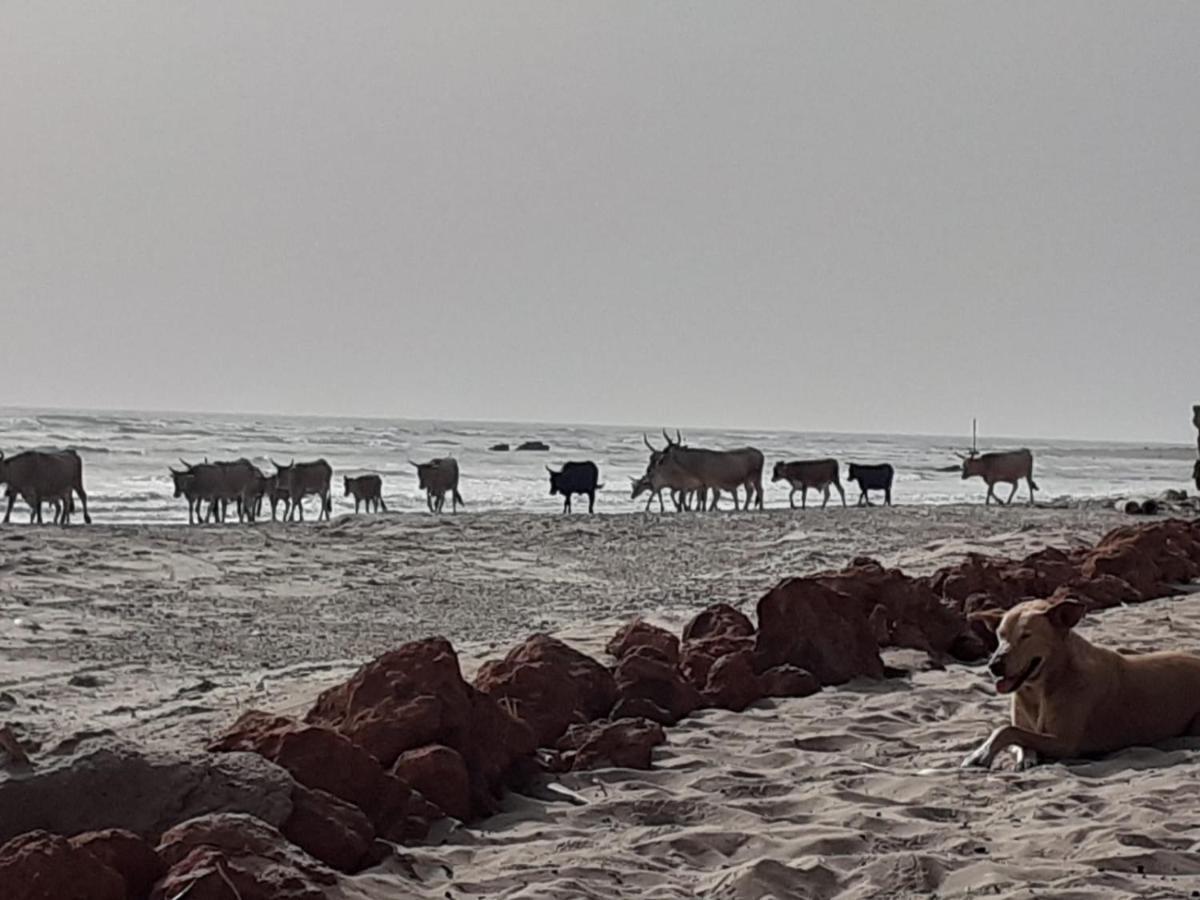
600	487
458	497
328	505
1033	484
382	505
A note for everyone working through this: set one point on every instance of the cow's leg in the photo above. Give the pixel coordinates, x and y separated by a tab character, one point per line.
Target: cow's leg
792	497
567	503
825	495
1031	489
591	502
838	485
1011	494
804	497
887	495
8	512
987	501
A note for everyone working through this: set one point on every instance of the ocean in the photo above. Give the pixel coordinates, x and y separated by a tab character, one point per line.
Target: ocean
127	456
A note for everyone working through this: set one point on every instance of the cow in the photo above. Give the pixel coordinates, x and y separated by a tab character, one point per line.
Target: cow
202	483
715	470
1196	474
872	478
302	479
818	474
1196	422
367	489
50	475
185	486
1009	467
437	478
275	494
575	478
57	503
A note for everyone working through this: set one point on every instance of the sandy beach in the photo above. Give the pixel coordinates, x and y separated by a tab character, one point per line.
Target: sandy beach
164	635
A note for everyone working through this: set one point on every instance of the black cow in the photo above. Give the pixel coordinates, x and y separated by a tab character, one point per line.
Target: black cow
575	478
873	478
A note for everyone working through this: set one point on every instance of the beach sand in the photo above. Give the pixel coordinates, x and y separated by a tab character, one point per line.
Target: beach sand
165	634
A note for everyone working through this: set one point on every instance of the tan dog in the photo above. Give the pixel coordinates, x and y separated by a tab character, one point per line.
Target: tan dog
1072	699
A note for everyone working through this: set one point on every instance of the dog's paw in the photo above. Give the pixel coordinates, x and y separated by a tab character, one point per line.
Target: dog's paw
1026	759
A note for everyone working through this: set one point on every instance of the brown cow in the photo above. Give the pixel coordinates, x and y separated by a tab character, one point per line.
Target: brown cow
366	489
1009	467
818	474
50	475
302	479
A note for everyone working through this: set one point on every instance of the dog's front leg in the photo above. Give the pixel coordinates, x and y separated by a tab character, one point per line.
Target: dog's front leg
1005	736
1025	759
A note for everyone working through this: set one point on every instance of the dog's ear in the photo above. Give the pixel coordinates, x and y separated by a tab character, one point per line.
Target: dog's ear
1065	614
988	618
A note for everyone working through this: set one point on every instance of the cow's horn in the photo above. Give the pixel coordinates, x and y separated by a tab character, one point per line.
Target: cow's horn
678	437
551	471
186	464
414	465
646	441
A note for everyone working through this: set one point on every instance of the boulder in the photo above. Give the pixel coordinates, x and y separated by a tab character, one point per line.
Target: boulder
441	776
128	855
718	620
787	681
540	446
639	633
619	743
808	625
549	686
732	682
237	857
414	696
700	654
324	760
499	448
103	782
43	866
646	674
329	829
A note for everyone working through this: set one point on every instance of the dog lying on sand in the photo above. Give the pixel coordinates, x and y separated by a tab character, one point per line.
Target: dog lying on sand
1071	698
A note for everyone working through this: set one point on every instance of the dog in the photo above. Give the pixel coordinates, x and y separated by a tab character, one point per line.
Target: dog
1072	699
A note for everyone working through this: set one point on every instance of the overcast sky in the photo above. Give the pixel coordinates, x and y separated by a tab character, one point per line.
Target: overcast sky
848	216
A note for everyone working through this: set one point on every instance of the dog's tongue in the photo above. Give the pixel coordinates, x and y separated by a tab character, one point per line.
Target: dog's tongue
1005	685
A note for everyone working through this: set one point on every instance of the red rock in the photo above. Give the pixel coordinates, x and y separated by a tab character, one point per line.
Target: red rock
440	774
620	743
324	760
720	619
787	681
414	696
639	633
209	854
127	854
644	673
1098	592
641	708
43	866
810	626
699	655
732	682
329	829
549	685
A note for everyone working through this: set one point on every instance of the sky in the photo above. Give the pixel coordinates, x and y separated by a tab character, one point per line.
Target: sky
851	216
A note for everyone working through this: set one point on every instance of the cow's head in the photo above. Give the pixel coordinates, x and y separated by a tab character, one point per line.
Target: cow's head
972	466
852	472
778	473
183	481
555	482
422	472
640	486
346	485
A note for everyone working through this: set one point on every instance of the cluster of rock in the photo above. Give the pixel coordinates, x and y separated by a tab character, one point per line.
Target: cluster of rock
285	807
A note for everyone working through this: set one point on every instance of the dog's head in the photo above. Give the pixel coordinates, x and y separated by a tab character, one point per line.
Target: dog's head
1030	636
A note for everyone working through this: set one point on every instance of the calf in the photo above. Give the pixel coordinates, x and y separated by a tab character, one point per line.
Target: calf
437	478
575	478
805	474
872	478
366	489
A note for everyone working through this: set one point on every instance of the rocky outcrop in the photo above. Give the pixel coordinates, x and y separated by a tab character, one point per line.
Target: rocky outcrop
718	620
441	776
128	855
639	633
787	681
329	829
624	743
807	625
43	866
241	858
415	696
72	792
650	686
548	686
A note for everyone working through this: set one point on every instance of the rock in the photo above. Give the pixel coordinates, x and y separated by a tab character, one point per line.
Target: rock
700	654
807	625
441	776
732	682
549	685
540	446
329	829
641	708
1132	508
322	759
645	673
787	681
128	855
414	696
500	448
12	752
207	855
43	866
901	611
85	680
720	619
620	743
639	633
73	792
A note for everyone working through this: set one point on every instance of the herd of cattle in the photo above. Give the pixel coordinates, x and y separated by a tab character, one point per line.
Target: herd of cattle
694	478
